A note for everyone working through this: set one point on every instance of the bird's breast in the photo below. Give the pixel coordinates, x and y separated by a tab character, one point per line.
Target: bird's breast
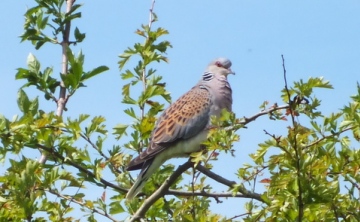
183	148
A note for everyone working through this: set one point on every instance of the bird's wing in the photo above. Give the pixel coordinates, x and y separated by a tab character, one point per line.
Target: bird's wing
185	118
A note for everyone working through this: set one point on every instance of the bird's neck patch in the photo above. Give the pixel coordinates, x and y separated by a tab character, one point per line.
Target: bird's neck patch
207	76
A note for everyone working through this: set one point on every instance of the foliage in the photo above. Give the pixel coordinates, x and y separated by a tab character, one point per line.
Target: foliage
310	173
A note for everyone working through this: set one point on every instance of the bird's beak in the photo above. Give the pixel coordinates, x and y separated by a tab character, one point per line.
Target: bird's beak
231	72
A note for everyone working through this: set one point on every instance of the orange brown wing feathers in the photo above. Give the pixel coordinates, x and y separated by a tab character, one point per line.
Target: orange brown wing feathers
184	119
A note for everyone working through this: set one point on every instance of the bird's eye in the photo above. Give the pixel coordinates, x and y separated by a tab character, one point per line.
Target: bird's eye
218	64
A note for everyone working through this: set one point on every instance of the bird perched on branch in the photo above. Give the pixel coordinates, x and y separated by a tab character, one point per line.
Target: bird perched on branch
183	126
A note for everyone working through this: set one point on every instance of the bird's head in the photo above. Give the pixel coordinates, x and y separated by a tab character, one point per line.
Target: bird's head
220	66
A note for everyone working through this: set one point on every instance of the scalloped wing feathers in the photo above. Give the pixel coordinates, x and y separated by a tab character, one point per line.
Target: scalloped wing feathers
184	119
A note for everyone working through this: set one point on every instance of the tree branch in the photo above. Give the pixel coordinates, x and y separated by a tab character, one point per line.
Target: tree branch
87	139
247	120
140	213
295	146
82	169
237	216
264	112
61	102
222	180
328	136
164	189
213	195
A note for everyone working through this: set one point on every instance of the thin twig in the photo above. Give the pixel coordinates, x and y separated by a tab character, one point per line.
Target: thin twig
326	137
247	120
295	146
143	77
357	186
71	199
73	196
277	139
180	193
253	190
87	139
82	169
227	182
193	181
333	207
237	216
264	112
151	19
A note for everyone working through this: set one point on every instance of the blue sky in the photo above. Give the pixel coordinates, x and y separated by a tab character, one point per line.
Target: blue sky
317	38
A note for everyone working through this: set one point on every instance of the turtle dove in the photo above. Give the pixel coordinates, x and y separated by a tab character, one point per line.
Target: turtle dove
184	125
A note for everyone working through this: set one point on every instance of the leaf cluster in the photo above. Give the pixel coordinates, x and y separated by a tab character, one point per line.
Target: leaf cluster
48	17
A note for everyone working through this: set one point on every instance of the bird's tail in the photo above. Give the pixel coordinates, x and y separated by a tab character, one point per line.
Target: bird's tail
145	173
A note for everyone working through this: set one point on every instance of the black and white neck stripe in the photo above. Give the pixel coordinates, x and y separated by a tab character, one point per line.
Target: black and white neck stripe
207	76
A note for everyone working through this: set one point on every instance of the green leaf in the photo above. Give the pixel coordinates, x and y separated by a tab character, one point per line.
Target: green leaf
23	101
78	35
116	208
120	130
43	22
33	64
76	66
22	73
39	44
128	100
71	17
94	72
74	8
72	79
127	75
33	106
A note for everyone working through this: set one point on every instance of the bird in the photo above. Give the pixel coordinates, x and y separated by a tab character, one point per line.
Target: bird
183	126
